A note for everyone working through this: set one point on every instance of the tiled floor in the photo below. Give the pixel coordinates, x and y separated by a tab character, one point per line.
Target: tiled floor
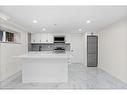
79	78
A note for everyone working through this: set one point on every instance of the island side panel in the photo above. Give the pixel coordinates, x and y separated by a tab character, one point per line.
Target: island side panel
45	70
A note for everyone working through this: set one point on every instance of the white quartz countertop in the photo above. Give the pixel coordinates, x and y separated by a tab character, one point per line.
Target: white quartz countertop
45	54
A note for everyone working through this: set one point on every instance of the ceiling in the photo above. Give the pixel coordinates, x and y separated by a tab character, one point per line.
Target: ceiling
64	18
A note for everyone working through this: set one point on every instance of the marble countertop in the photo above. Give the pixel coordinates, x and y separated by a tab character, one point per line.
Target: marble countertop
45	54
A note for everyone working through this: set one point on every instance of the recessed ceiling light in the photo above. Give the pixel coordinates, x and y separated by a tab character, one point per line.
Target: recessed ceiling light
88	21
34	21
80	29
54	24
43	29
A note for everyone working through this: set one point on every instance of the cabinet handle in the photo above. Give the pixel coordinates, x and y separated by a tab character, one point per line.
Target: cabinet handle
40	40
46	40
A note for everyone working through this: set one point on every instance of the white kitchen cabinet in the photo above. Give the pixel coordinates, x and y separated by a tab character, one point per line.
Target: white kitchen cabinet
41	38
35	38
44	38
50	38
67	38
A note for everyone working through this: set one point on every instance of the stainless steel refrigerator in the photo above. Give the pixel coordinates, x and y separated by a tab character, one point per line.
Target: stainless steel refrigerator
92	51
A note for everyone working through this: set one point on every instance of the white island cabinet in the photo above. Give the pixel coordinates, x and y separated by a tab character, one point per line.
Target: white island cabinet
45	67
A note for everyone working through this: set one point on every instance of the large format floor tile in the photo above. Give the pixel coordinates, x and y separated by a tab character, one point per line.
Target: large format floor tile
80	77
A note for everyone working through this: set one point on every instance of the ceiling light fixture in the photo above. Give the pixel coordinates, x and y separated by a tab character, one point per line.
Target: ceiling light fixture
80	29
88	21
43	29
54	24
34	21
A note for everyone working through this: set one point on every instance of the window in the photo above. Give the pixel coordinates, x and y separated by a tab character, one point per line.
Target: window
1	35
9	37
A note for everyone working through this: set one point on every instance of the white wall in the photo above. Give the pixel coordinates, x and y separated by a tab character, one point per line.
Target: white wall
76	43
113	49
8	64
84	41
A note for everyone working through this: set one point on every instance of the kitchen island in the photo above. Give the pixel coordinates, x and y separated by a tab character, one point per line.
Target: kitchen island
45	67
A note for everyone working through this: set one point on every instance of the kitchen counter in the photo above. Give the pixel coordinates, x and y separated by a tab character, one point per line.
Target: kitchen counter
46	54
45	67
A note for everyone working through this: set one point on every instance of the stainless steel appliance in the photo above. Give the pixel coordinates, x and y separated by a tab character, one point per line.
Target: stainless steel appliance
59	39
92	51
59	50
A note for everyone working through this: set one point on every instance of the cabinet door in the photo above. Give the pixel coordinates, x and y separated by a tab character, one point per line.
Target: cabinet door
44	38
32	38
67	38
35	38
38	37
50	38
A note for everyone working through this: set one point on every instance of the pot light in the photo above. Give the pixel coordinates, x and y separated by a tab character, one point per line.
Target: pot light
80	29
34	21
43	29
88	21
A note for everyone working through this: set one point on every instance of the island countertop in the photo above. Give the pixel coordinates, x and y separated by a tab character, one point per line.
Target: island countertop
45	54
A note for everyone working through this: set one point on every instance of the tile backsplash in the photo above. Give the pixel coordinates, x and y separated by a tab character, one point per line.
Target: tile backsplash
48	47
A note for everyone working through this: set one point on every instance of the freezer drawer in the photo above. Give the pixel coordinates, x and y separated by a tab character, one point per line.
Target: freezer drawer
92	60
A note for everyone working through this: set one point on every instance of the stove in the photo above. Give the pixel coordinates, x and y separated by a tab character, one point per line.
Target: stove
59	50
